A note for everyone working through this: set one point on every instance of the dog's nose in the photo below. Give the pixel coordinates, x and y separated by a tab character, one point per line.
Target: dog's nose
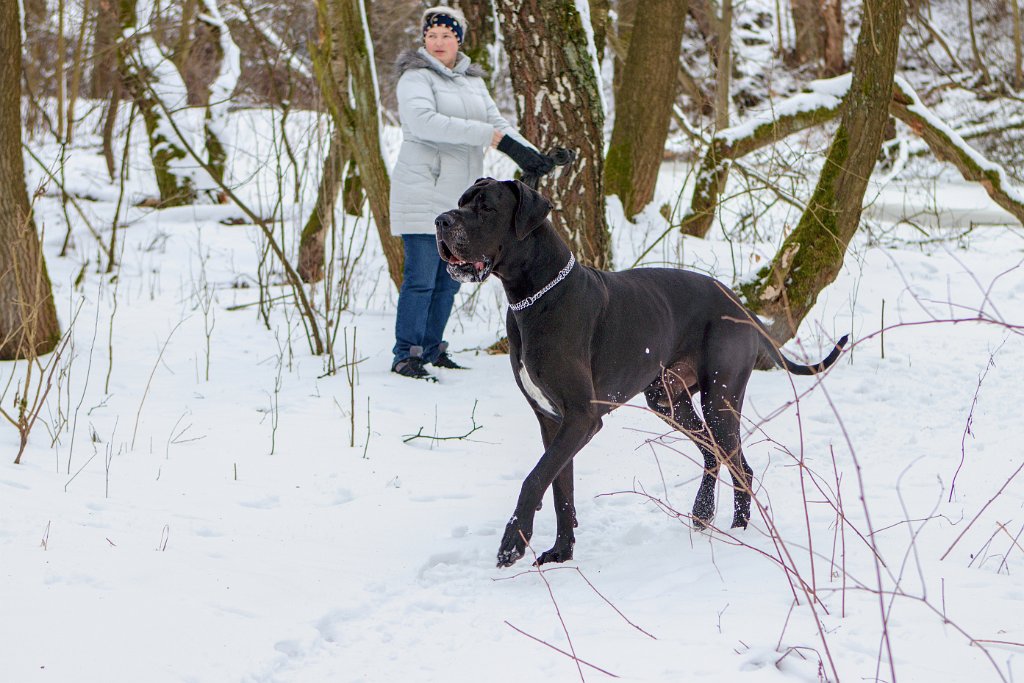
443	222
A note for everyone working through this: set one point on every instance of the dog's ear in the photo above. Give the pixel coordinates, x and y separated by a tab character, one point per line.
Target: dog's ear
531	209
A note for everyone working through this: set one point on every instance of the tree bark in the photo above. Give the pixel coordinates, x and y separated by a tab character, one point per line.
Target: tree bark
558	98
216	97
812	255
147	76
344	65
481	36
834	61
622	37
809	39
644	101
599	12
1018	47
104	71
28	316
311	244
723	67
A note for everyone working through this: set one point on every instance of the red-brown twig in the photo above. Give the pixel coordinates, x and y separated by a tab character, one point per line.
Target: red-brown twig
561	651
983	507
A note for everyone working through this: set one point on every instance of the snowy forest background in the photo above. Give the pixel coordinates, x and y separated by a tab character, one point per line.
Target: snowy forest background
208	472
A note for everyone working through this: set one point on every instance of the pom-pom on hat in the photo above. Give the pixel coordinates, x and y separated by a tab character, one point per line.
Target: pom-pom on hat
451	17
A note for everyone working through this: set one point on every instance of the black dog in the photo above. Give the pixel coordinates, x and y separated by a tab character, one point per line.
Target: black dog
584	341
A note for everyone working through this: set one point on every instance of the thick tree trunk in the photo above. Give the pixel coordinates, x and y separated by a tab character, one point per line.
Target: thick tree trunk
345	69
28	317
558	97
811	256
644	101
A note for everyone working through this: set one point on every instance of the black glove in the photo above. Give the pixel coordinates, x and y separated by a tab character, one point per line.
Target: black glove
531	161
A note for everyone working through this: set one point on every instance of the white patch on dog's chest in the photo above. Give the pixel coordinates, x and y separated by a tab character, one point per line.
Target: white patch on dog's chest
534	392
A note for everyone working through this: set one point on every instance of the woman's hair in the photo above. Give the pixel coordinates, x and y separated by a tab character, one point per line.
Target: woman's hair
453	12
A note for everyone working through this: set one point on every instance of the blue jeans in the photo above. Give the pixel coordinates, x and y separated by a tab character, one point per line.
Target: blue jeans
425	301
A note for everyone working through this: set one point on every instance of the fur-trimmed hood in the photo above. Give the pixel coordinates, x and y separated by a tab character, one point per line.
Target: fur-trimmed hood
421	59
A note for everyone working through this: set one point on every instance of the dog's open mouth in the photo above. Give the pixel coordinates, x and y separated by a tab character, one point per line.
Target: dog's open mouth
462	270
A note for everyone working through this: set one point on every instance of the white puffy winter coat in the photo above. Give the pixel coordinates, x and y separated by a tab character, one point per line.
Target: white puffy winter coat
448	120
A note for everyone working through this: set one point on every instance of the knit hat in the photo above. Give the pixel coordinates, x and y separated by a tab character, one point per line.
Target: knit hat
445	16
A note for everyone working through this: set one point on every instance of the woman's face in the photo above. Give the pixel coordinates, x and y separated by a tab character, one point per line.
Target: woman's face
441	42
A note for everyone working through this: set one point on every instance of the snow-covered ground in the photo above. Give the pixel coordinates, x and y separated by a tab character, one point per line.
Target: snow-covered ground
249	527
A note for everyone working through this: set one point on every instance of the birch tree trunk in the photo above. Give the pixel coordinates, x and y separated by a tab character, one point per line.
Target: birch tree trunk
555	75
812	255
28	316
643	103
348	79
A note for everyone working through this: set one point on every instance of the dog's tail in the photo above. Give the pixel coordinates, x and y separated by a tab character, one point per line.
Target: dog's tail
772	353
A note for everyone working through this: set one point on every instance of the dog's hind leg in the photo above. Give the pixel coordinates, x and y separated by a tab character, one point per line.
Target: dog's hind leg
679	412
721	406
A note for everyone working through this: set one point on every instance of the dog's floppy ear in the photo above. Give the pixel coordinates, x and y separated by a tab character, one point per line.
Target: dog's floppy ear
531	209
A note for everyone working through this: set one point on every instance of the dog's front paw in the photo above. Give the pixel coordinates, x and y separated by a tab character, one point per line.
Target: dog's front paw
513	543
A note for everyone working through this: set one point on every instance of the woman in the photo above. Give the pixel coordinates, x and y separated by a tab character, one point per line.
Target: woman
448	120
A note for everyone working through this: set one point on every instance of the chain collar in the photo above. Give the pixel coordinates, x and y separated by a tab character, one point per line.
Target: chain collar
532	299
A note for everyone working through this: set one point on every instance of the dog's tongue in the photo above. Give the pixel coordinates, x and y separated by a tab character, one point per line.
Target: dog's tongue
479	265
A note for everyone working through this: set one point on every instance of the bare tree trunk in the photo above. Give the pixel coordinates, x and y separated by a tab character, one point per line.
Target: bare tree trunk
216	97
723	69
28	317
148	76
622	39
104	72
62	82
1018	47
812	255
979	63
345	69
808	45
599	10
480	17
311	243
834	34
558	97
77	65
644	101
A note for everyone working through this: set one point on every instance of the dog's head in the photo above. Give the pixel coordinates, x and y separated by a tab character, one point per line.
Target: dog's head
491	213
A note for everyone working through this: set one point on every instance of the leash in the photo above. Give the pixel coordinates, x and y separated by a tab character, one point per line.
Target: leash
532	299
